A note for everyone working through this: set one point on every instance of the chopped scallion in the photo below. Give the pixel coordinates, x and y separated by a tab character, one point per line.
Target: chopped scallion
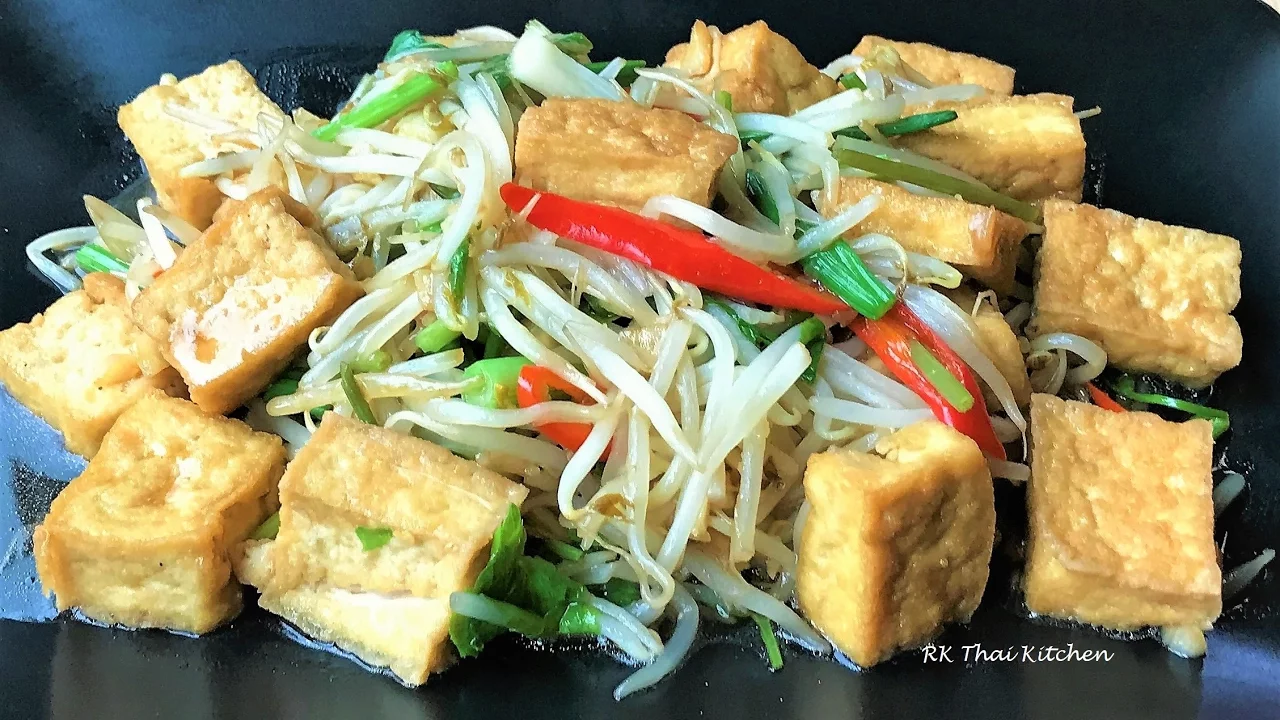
904	126
359	405
724	100
747	136
1220	420
373	538
376	361
435	337
759	195
626	75
770	641
841	271
942	379
268	529
378	110
279	388
458	270
407	40
445	192
501	378
95	258
851	81
622	593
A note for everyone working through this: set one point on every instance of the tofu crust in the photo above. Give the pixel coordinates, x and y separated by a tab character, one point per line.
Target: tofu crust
618	153
442	511
1120	510
897	542
979	241
1156	297
166	144
242	299
82	362
759	68
944	67
143	537
1029	147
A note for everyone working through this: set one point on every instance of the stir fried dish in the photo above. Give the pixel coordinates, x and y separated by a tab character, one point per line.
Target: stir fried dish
522	341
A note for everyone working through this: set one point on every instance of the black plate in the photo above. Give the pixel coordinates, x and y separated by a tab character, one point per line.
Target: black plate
1190	93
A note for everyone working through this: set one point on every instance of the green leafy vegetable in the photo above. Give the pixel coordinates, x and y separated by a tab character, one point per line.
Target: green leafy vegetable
268	529
841	271
281	387
377	110
1219	420
947	384
406	41
562	549
458	270
621	592
317	413
435	337
851	81
355	396
95	258
580	619
770	641
373	538
889	169
501	378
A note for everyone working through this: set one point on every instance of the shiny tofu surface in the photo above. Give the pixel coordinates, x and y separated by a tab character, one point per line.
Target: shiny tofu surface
897	542
979	241
143	537
1120	511
618	153
1000	343
1029	147
242	299
82	362
441	511
225	92
759	68
944	67
1156	297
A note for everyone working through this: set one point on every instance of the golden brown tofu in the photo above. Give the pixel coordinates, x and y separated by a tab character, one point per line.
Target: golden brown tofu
239	301
225	92
944	67
1029	147
1120	512
1156	297
82	362
142	538
1000	344
979	241
441	511
897	542
759	68
618	153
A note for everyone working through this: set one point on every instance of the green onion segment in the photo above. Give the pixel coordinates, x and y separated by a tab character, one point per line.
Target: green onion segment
355	397
501	377
1220	420
378	110
839	269
372	538
942	379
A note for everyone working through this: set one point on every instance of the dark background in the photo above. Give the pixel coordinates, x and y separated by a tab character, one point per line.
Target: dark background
1190	93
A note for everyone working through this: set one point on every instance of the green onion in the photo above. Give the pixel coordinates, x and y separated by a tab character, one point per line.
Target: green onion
458	270
574	43
947	384
268	529
317	413
851	81
283	386
373	538
750	330
446	193
501	378
885	168
376	361
904	126
626	75
378	110
622	593
95	258
448	69
812	329
760	196
436	227
580	619
841	271
1220	420
747	136
435	337
592	306
355	396
724	100
815	348
813	335
770	641
562	549
494	345
407	40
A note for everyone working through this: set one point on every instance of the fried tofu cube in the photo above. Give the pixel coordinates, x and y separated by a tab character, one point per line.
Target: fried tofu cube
981	242
1000	344
759	68
441	511
897	542
243	298
82	362
944	67
1029	147
1156	297
225	92
142	538
618	153
1120	513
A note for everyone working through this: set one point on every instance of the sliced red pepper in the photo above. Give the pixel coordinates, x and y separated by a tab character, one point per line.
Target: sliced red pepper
534	386
683	254
1103	400
890	338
